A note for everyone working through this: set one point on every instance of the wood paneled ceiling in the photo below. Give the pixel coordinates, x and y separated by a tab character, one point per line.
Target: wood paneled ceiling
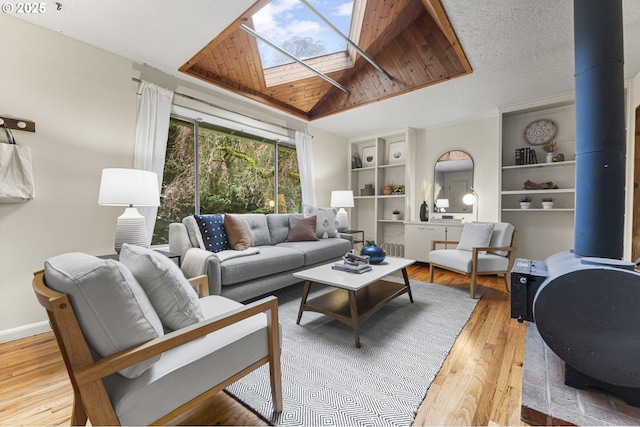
411	39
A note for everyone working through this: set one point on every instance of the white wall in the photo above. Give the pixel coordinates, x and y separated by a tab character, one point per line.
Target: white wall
83	102
480	139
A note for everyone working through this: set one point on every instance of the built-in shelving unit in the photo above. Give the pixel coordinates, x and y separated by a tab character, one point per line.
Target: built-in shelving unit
391	162
541	232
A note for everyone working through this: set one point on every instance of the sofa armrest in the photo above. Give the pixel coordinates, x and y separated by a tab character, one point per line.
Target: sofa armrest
346	236
197	262
179	242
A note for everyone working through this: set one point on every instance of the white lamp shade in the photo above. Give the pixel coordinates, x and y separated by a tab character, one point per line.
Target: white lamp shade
128	187
342	199
442	203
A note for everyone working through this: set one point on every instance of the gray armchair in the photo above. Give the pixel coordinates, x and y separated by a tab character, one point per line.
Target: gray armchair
483	249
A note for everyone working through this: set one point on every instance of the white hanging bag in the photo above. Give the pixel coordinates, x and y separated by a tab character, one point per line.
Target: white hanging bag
16	174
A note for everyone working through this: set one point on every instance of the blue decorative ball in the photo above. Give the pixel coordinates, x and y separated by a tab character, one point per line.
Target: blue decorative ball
376	253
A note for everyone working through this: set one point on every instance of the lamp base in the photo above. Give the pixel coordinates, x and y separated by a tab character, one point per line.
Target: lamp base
131	228
342	219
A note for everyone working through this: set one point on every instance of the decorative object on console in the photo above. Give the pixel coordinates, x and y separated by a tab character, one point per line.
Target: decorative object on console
342	199
398	190
471	199
442	204
369	157
368	190
525	202
549	147
424	208
547	203
530	185
129	187
397	152
540	131
387	190
356	162
376	253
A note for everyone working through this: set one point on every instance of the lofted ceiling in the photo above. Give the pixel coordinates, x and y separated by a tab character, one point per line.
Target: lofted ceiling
412	40
519	50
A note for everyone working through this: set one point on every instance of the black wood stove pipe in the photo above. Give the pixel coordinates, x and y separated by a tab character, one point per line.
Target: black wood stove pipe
600	128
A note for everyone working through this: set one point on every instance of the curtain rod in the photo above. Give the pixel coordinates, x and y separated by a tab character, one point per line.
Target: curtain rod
193	98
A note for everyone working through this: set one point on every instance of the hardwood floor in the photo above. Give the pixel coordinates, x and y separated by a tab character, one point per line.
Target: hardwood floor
479	383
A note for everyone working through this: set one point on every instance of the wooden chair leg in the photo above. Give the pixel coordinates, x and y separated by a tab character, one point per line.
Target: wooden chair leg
507	282
432	269
472	286
78	414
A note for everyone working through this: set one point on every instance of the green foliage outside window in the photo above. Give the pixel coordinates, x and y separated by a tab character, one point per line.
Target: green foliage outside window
236	175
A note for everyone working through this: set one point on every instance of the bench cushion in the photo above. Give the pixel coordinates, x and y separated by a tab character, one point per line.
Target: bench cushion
270	260
323	250
189	370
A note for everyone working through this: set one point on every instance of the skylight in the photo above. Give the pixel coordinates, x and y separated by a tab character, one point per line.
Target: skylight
296	29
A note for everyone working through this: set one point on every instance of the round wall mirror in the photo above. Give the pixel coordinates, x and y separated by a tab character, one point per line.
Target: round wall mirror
453	175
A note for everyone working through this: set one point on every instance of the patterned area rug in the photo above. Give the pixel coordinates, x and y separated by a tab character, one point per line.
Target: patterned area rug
326	380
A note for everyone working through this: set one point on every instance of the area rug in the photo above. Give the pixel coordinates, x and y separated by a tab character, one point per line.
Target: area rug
326	380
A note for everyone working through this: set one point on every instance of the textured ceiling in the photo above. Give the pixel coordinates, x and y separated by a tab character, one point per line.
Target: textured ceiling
519	50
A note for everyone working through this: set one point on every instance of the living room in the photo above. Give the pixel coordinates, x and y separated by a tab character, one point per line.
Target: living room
83	99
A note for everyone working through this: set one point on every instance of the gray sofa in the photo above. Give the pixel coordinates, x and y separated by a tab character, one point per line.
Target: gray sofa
242	275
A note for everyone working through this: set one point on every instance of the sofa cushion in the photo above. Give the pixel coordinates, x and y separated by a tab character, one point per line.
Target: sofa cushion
193	231
238	232
112	309
475	234
259	228
302	229
325	221
278	227
270	260
461	260
323	250
189	370
213	237
501	237
171	295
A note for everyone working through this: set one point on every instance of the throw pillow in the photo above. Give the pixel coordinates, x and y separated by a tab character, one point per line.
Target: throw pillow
238	232
302	229
326	220
475	234
170	293
112	309
214	238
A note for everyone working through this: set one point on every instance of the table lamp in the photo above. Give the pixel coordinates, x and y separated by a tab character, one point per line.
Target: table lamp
342	199
442	204
129	187
470	199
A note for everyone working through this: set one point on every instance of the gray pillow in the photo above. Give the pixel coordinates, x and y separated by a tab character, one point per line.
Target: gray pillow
325	220
112	309
475	234
170	293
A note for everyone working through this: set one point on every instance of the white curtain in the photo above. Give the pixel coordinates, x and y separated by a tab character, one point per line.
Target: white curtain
152	130
305	164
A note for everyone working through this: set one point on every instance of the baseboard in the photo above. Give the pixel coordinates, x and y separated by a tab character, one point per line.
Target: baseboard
24	331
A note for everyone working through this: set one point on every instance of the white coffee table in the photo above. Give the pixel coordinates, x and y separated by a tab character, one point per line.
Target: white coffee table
357	296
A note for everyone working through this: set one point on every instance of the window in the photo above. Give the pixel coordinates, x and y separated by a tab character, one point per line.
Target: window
235	174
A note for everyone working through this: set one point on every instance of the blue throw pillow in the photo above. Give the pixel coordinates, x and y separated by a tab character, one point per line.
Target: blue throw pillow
211	228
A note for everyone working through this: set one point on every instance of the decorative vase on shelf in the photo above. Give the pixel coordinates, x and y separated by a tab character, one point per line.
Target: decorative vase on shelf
424	212
376	253
550	157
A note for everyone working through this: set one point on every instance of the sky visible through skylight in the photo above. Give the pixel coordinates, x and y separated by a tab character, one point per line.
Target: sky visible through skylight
293	27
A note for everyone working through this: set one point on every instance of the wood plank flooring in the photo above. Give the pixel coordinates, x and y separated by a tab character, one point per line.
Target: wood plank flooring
479	383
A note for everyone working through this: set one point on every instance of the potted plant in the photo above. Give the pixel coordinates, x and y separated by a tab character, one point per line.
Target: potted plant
395	215
525	202
547	203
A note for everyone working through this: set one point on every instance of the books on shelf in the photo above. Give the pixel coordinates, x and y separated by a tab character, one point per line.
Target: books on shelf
526	156
342	266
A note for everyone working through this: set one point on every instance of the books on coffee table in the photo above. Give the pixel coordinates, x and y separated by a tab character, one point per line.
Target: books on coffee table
342	266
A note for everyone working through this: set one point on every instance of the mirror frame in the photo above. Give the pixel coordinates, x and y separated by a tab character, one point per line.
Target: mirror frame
465	209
